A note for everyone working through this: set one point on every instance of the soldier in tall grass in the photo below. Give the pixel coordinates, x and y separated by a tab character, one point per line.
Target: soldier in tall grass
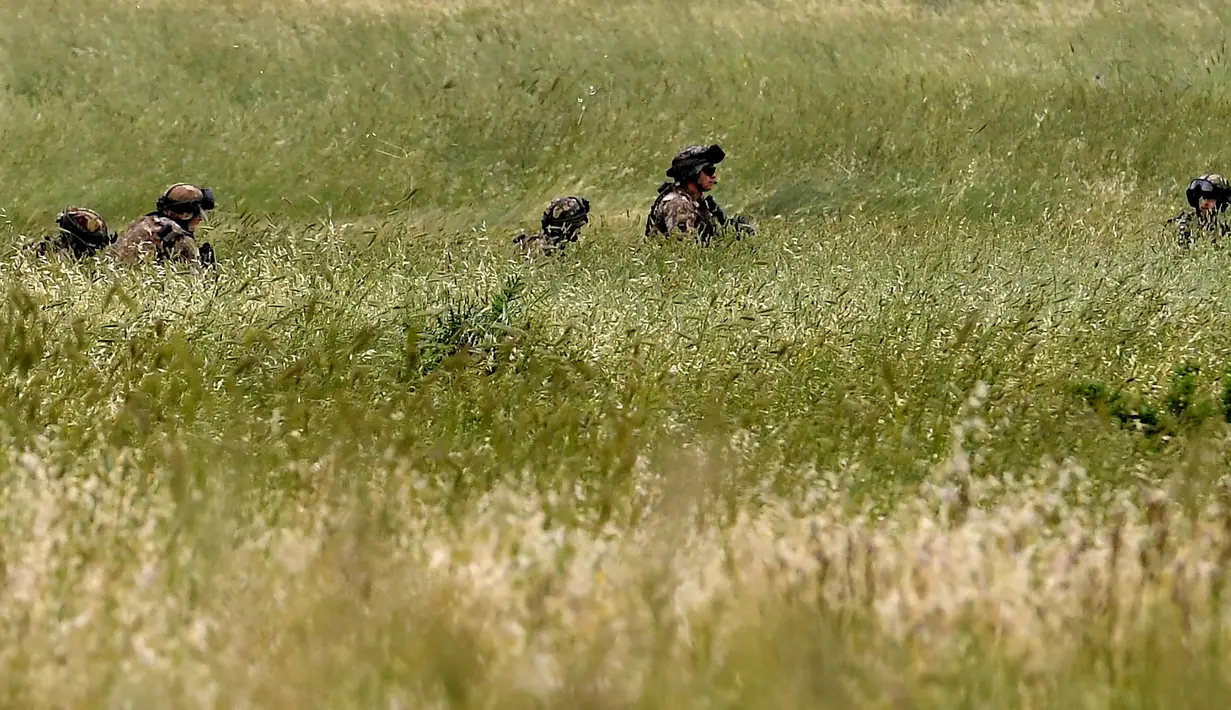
168	233
1208	196
561	224
682	207
82	233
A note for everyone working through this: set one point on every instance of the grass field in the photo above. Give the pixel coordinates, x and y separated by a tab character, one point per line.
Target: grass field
949	432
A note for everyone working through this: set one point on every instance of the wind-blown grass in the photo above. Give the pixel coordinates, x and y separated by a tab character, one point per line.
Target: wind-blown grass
951	430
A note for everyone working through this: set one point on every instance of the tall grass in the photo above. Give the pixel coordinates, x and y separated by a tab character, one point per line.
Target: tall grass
908	108
951	430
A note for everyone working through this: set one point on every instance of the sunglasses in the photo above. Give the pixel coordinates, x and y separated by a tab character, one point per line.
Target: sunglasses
709	170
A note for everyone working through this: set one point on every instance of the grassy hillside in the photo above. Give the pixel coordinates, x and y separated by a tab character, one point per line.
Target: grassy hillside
950	431
952	108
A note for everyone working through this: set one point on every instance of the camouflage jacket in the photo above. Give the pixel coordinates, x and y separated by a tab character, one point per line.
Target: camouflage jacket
1192	227
157	237
543	244
676	211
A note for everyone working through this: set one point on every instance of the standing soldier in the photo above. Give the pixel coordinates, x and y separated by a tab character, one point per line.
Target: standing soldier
682	205
562	222
1208	196
82	233
167	234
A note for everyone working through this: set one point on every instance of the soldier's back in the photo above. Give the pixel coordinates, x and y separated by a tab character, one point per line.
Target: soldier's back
157	238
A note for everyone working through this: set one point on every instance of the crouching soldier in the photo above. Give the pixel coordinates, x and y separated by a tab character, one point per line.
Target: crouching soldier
562	222
682	207
82	233
1208	196
167	234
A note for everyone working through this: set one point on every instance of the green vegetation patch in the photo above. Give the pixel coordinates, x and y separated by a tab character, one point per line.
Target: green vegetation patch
950	429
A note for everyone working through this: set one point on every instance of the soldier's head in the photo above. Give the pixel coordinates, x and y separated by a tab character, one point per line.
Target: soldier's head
84	230
1209	194
186	204
696	167
565	217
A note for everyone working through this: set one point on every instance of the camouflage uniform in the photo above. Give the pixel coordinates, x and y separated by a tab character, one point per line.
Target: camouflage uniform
82	233
561	223
676	210
166	234
1194	225
159	237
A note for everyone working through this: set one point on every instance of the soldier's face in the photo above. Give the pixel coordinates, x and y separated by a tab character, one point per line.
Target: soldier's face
708	179
1207	204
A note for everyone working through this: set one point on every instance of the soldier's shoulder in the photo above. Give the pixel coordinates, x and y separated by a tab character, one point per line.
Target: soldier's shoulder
679	200
524	238
533	245
676	193
145	223
169	225
1184	221
156	223
50	244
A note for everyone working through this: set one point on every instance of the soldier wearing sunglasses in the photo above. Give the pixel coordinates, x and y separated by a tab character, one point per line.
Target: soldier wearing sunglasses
1208	196
168	233
682	207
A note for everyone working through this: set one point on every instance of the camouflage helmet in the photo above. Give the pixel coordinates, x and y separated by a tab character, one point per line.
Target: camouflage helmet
183	201
689	163
82	231
1213	186
566	214
85	224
